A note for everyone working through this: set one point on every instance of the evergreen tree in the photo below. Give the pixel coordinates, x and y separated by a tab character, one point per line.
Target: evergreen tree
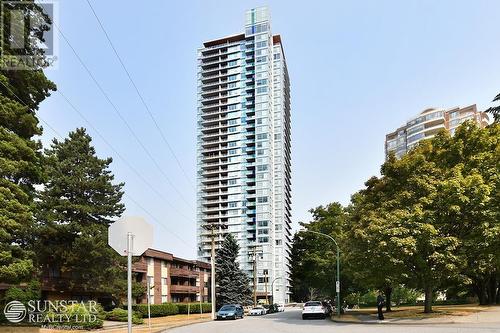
76	206
495	110
233	285
21	92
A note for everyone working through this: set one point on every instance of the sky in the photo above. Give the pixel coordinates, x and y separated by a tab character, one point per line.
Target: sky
358	70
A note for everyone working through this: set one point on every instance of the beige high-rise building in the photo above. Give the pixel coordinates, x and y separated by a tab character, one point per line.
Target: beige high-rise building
427	124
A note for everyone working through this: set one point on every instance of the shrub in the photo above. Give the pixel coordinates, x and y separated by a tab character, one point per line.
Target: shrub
194	307
157	310
122	315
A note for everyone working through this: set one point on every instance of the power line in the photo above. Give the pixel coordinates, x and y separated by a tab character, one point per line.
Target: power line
121	116
126	162
139	93
123	159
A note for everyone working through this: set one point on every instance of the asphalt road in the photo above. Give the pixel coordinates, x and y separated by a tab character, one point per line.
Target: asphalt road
291	321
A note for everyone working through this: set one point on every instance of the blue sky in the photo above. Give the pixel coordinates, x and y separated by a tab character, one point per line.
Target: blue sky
358	70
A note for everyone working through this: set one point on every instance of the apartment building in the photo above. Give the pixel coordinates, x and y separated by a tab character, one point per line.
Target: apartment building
427	124
244	151
172	279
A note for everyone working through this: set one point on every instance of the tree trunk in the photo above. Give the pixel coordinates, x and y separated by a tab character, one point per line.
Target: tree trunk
388	293
497	300
428	299
481	292
492	289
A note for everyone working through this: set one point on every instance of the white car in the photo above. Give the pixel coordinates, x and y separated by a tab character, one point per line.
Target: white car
281	307
314	309
257	311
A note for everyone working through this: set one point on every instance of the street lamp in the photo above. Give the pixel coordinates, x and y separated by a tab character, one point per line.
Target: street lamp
272	287
337	283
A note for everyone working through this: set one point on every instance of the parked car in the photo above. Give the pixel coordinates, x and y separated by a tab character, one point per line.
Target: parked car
230	311
281	307
273	308
257	311
314	309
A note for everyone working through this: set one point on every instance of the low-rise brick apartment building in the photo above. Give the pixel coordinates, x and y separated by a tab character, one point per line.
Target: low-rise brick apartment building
172	279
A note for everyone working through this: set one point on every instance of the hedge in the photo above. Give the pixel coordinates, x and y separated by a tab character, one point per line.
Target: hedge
194	307
122	315
157	310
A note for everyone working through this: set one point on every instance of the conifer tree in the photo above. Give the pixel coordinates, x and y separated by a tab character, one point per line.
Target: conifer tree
21	92
233	285
78	203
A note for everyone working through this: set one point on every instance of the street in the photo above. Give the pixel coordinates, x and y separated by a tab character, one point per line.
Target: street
290	321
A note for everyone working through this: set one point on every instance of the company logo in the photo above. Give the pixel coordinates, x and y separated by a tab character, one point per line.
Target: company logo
27	37
52	312
14	311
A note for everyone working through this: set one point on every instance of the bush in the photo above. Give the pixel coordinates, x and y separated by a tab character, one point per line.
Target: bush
157	310
122	315
194	307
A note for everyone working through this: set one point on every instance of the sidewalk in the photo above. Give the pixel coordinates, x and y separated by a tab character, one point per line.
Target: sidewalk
464	314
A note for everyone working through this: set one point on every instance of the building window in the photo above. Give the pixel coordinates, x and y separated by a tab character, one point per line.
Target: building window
262	199
164	298
279	242
164	281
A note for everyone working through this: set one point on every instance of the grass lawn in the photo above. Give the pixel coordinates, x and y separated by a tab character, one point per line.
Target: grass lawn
414	312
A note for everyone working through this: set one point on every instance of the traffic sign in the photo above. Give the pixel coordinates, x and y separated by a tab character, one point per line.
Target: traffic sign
141	231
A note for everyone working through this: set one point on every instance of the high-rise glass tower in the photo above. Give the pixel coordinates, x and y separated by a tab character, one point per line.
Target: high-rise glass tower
243	156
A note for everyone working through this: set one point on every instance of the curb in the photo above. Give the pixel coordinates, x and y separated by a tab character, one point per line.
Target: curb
183	324
385	322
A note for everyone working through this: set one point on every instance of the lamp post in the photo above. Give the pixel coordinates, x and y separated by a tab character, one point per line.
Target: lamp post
337	283
272	287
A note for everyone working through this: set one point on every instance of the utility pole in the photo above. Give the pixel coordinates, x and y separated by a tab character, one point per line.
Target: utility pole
212	227
266	276
254	258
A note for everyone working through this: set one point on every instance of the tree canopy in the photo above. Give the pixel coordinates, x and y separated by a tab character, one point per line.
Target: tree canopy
77	204
21	93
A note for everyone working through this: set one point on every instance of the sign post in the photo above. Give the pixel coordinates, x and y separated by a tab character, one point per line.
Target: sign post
130	250
129	236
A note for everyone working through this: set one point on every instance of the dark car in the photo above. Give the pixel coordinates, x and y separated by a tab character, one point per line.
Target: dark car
272	308
230	311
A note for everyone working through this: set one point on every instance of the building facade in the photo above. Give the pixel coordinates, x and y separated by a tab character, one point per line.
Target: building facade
172	279
244	152
427	124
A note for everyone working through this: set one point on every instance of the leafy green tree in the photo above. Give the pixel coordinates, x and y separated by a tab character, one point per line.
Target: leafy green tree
77	204
469	205
371	260
313	257
233	284
21	92
432	218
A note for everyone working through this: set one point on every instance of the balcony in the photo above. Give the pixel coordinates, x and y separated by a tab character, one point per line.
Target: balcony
183	272
178	289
